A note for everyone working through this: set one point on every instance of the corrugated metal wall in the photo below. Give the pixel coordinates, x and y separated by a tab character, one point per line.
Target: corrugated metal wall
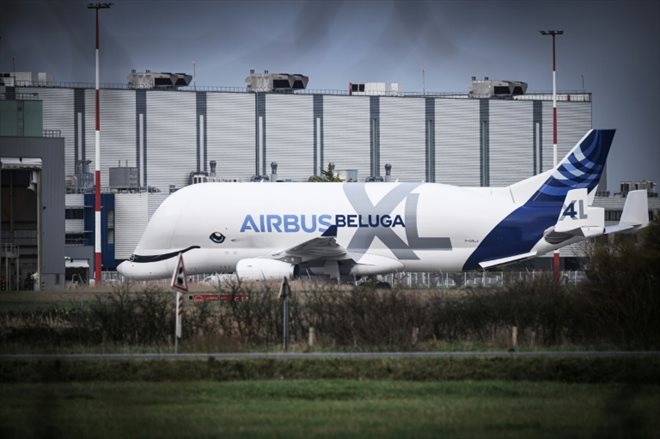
511	143
59	115
457	142
290	135
171	152
231	133
573	122
117	130
74	225
346	133
172	130
402	137
131	217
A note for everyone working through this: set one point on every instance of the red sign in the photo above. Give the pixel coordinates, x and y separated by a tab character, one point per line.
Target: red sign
201	298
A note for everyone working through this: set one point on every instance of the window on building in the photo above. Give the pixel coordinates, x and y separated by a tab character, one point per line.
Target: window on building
613	215
73	213
75	239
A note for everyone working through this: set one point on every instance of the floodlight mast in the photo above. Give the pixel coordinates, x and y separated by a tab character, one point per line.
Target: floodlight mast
553	34
97	161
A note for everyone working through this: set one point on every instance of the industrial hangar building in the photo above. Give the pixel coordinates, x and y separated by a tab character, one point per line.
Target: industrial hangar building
161	134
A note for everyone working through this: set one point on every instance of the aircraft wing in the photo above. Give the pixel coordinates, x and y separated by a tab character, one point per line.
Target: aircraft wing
322	247
508	260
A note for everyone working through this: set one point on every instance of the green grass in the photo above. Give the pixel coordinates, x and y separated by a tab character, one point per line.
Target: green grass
328	408
641	371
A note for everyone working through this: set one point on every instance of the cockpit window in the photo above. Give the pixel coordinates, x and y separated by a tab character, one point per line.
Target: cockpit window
217	237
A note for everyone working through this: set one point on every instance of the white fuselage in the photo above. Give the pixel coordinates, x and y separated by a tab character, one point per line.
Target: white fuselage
270	230
427	227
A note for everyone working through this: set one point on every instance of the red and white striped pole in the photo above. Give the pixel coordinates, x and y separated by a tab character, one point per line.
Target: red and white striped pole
97	157
554	33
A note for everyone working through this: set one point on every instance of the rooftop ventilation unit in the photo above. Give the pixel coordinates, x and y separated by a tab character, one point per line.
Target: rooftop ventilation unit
278	82
494	88
375	89
23	79
124	177
158	80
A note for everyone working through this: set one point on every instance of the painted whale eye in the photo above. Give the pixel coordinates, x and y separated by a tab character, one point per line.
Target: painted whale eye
217	237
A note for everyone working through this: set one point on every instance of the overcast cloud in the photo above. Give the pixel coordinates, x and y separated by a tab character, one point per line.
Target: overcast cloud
613	45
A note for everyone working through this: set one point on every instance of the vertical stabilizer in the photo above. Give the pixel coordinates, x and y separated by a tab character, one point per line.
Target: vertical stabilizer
581	168
542	200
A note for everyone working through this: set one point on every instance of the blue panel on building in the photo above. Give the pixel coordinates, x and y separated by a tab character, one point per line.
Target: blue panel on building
107	228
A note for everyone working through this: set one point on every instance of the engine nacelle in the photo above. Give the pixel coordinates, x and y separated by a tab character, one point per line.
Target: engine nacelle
265	269
373	264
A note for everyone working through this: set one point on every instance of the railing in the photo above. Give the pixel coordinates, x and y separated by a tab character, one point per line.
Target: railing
9	96
566	95
472	279
107	189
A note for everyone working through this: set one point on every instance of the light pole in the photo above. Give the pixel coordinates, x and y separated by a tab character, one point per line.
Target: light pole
553	34
97	161
194	75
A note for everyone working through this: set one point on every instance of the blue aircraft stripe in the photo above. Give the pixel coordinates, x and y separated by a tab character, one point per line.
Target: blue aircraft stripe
573	170
584	166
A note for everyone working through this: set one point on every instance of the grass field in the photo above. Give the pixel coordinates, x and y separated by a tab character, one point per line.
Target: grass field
328	408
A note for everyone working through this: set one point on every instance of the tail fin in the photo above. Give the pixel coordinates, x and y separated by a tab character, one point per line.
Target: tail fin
581	168
541	201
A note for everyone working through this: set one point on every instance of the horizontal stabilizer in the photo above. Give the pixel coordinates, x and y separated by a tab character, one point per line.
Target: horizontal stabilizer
507	260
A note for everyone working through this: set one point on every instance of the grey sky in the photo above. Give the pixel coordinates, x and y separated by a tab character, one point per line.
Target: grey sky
615	45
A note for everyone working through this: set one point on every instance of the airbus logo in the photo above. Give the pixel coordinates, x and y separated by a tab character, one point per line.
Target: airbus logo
292	223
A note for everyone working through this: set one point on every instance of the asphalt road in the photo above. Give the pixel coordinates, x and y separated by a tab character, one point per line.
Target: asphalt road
330	355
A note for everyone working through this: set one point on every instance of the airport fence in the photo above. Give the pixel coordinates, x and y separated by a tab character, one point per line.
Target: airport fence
453	280
472	279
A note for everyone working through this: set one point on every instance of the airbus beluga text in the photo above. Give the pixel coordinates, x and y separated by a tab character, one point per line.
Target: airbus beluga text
275	230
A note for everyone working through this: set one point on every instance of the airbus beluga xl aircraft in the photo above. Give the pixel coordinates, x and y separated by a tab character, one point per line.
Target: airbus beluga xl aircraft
275	230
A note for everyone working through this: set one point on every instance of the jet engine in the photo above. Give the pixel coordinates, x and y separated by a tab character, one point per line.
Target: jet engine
265	269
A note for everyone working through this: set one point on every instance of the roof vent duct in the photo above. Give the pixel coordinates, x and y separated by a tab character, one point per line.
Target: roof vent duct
275	82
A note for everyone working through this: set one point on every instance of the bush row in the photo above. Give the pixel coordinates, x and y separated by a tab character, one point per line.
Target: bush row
361	318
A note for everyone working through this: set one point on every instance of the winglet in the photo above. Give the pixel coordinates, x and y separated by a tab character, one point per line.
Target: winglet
635	213
636	208
331	232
